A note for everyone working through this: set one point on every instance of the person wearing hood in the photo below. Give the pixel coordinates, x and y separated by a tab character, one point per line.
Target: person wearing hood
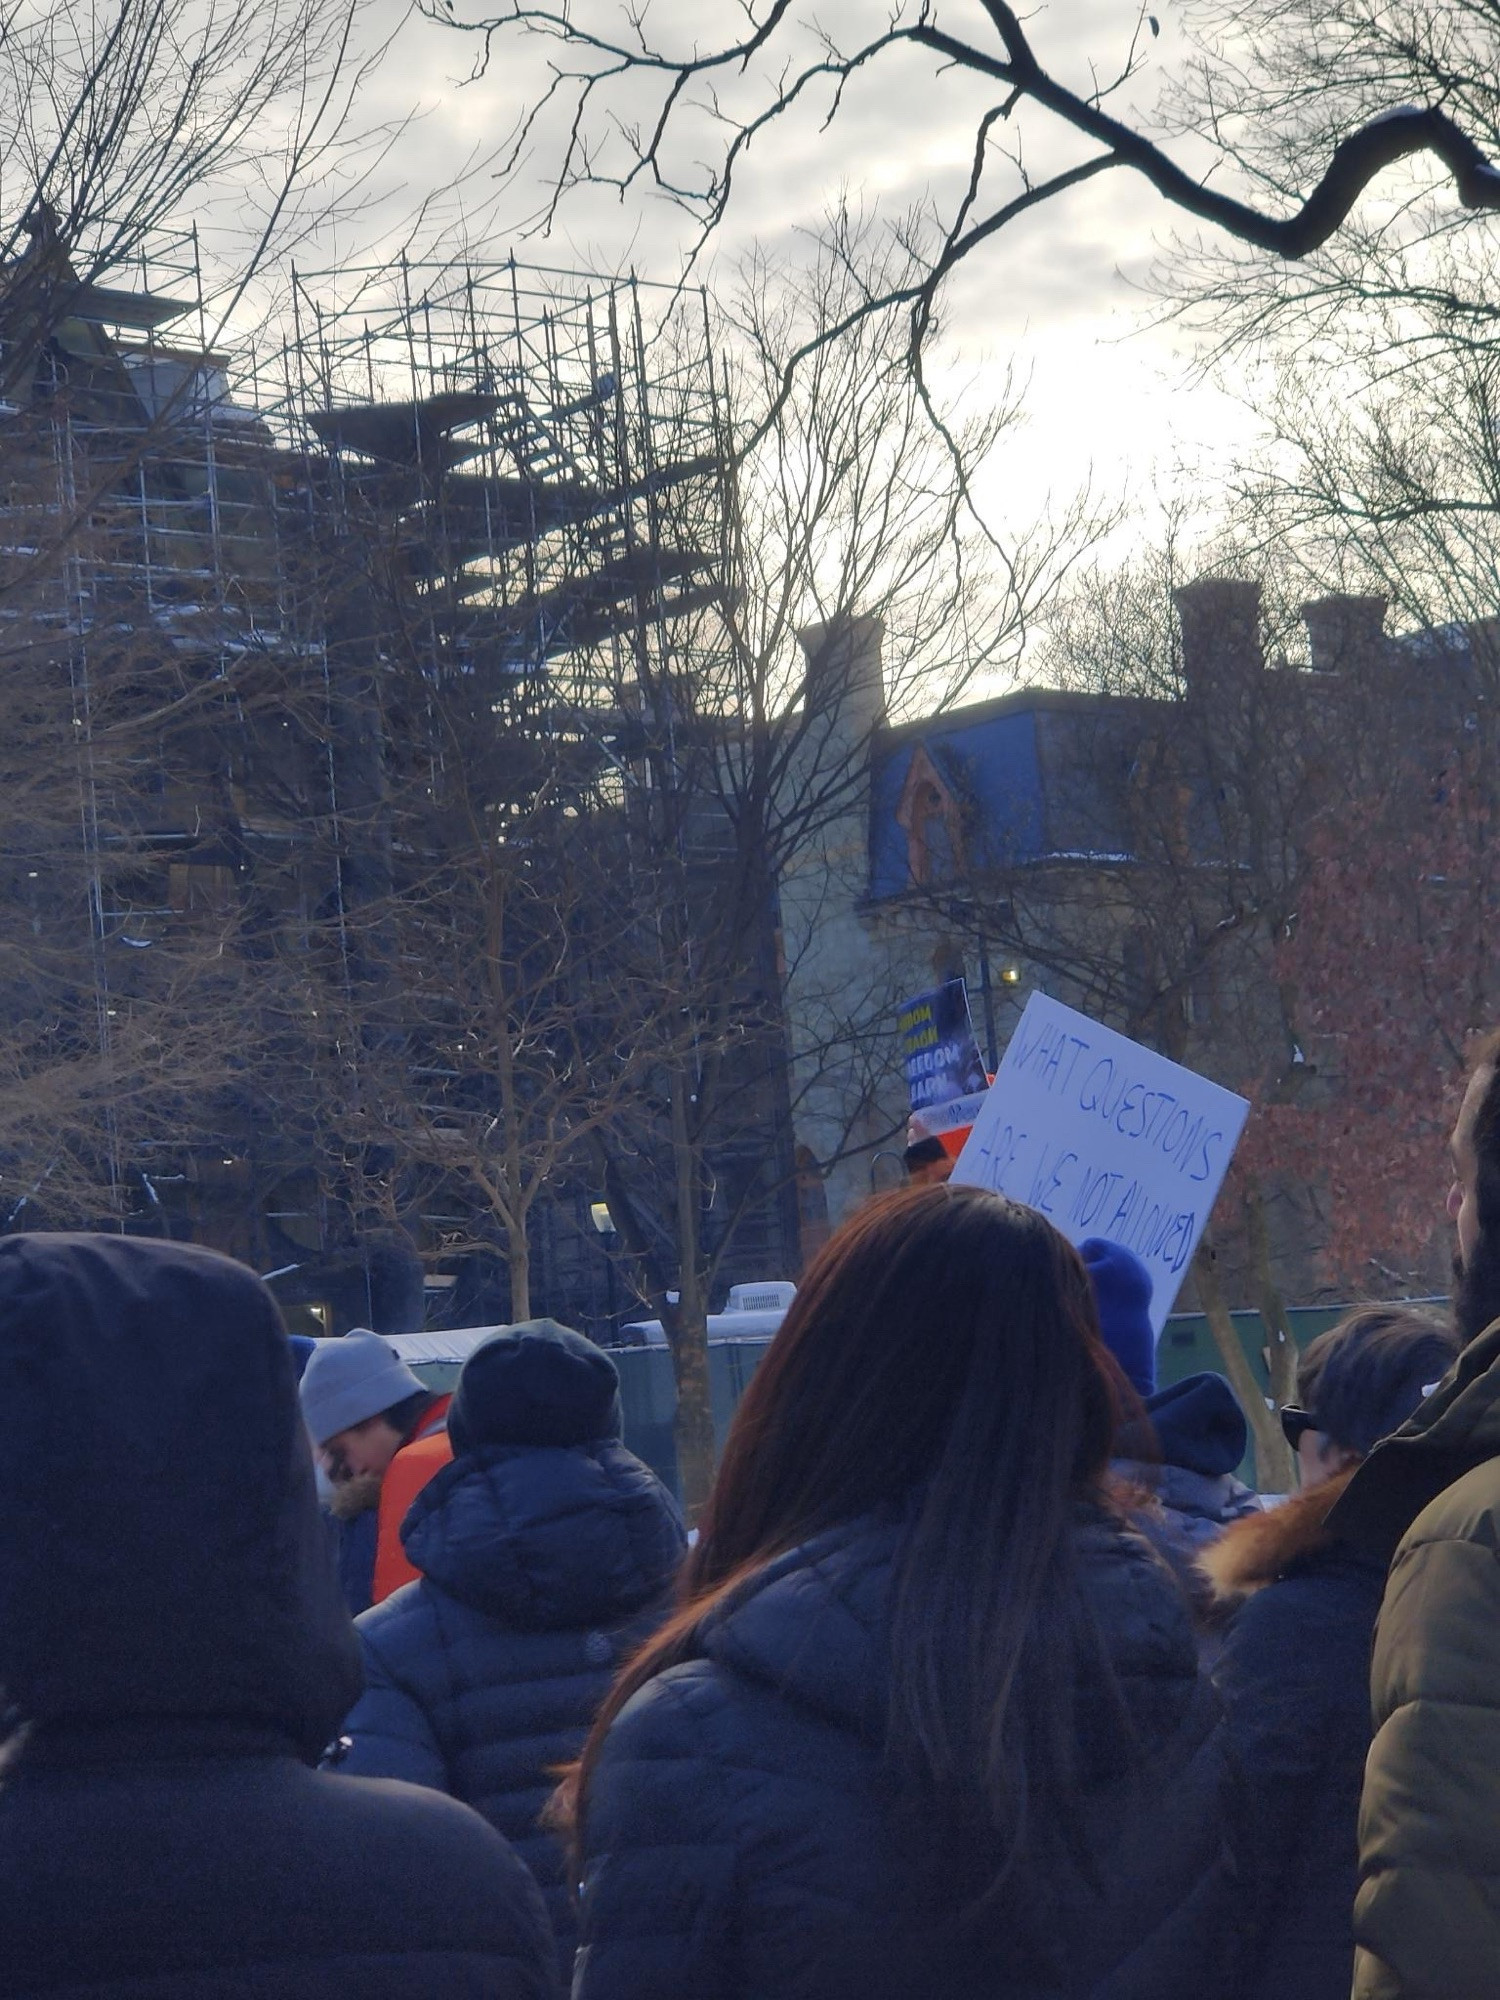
1295	1667
546	1552
841	1770
1427	1500
174	1655
1180	1451
1184	1453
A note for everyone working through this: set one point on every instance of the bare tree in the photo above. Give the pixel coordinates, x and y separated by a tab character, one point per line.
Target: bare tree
750	758
1187	765
1275	85
474	1068
626	106
155	157
166	112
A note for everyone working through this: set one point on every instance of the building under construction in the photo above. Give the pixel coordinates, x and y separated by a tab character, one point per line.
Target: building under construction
212	560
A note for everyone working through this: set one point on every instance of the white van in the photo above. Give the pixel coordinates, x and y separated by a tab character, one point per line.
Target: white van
752	1312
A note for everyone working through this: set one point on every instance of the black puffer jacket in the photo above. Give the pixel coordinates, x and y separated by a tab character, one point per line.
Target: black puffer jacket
541	1568
176	1653
742	1841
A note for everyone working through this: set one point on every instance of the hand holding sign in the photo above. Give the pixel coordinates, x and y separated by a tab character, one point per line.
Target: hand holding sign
1107	1139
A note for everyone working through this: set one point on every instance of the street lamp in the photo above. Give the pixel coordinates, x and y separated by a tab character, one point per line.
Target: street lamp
604	1222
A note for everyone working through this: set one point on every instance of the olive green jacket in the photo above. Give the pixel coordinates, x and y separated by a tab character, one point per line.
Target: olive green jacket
1427	1912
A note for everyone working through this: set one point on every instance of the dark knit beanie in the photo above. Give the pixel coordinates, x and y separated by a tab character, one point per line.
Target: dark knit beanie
1122	1292
537	1383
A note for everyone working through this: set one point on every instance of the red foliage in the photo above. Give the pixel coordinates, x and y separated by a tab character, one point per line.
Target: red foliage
1386	972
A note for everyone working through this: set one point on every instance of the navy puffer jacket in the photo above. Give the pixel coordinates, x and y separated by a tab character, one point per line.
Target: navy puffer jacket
743	1840
1295	1677
542	1567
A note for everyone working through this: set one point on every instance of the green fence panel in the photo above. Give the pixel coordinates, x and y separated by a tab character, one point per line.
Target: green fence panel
1187	1347
649	1399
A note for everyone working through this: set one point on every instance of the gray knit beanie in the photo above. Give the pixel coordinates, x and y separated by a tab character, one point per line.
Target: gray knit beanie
351	1379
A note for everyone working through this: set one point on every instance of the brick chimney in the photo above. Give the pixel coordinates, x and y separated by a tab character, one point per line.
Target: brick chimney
1345	635
1484	644
1220	619
845	677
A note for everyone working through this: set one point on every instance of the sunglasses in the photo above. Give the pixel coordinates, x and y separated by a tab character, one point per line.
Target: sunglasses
1295	1423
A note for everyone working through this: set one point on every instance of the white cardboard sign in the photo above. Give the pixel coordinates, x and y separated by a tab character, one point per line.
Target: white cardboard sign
1106	1138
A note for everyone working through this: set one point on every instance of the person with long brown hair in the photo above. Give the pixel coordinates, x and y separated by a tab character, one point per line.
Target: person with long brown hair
928	1718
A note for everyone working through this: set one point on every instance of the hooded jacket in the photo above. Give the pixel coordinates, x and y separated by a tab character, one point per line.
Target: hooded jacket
743	1840
1295	1676
1427	1913
542	1567
1185	1457
175	1654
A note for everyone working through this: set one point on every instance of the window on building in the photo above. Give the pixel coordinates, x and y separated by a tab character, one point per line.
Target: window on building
938	839
932	820
1200	1003
201	888
1139	967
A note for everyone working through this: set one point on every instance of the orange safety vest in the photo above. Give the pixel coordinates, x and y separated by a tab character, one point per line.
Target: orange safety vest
406	1475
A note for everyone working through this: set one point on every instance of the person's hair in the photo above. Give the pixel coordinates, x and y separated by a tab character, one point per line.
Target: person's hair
1364	1377
407	1415
1476	1293
924	1153
941	1363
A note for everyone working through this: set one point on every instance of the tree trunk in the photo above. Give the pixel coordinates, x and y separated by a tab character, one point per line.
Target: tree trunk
1274	1472
518	1259
693	1426
1281	1347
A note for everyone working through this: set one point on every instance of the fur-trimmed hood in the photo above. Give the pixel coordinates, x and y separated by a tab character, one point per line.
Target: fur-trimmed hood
1263	1546
349	1498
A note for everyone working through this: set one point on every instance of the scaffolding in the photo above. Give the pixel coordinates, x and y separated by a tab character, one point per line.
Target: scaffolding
545	450
535	460
136	557
122	439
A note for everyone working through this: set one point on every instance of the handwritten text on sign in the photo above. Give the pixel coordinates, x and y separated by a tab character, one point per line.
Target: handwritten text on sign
1106	1139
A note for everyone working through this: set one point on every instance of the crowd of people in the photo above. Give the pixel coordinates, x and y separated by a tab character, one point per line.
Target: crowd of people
983	1674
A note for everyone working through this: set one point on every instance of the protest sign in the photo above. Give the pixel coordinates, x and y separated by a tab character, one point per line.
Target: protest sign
1106	1139
945	1073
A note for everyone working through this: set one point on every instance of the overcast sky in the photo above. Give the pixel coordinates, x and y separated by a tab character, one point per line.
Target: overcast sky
1060	297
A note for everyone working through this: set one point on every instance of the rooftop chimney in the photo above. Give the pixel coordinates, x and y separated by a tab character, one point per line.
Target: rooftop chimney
1345	635
844	672
1484	645
1220	619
